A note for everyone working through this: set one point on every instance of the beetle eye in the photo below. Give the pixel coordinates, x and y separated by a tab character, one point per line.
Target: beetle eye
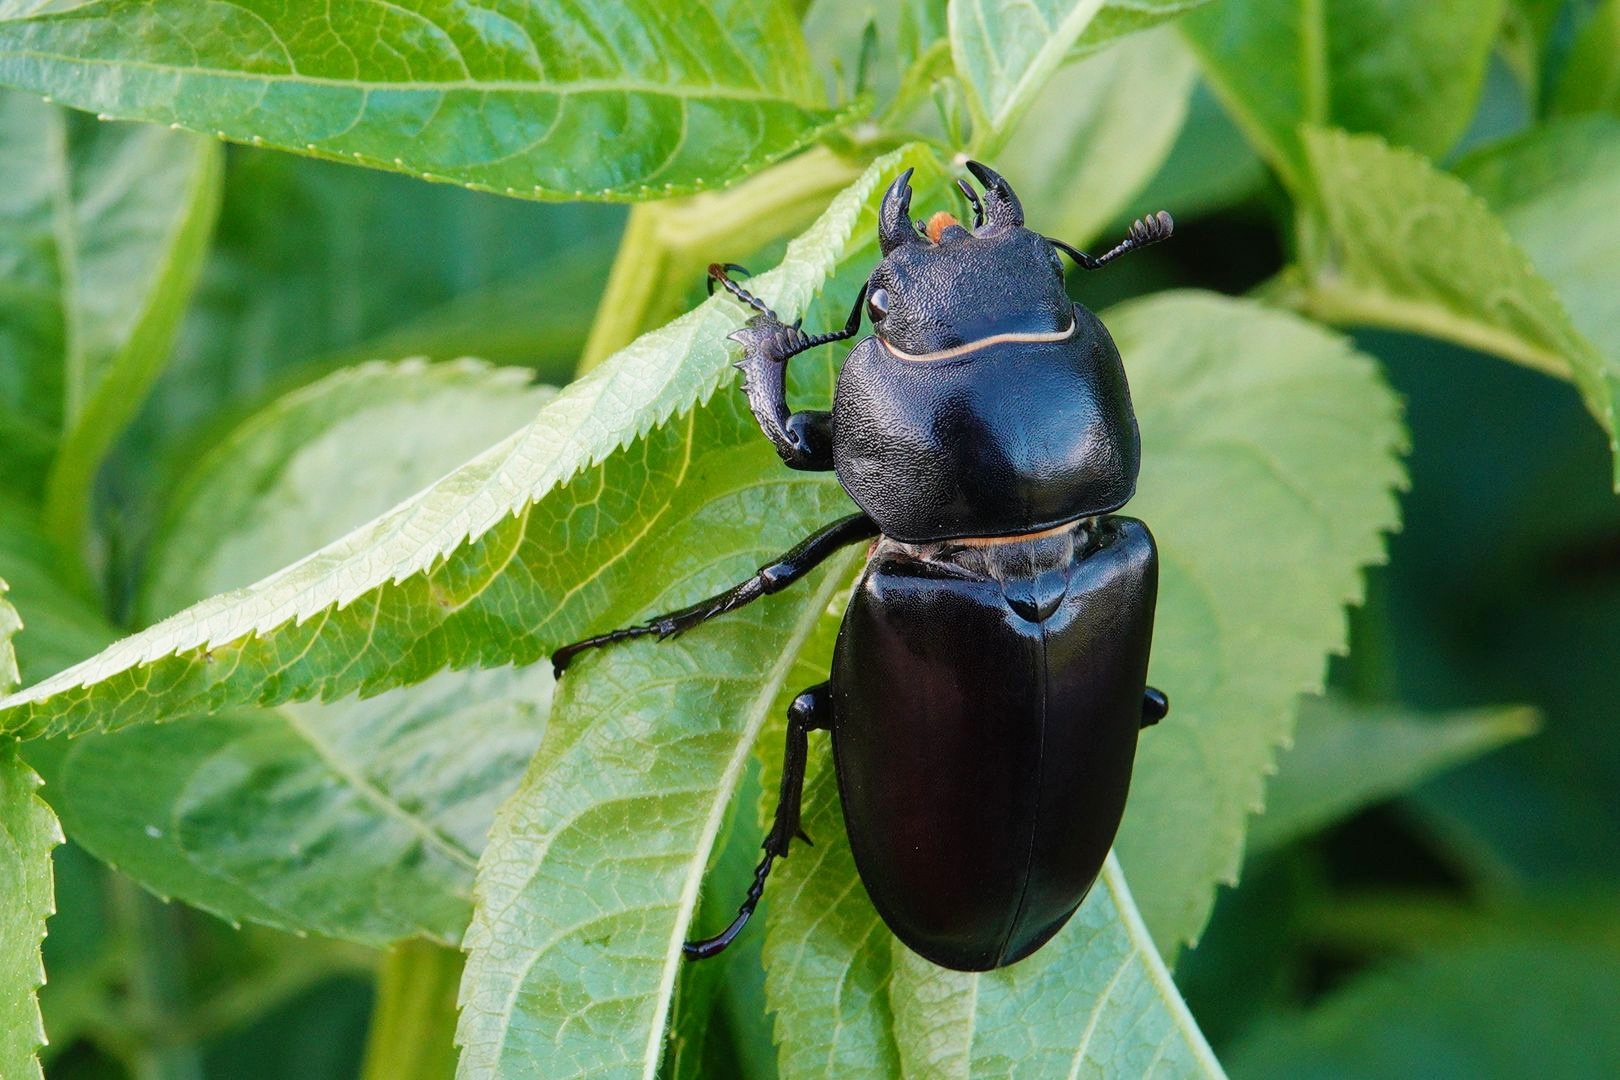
877	303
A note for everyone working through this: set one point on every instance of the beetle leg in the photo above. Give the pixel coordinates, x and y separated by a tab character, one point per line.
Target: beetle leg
1143	232
772	577
803	440
1155	706
810	711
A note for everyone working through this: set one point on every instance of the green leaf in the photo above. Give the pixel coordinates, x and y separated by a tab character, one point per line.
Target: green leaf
527	547
288	478
1346	756
1590	79
102	231
1209	168
143	209
9	625
362	819
521	101
1099	133
1118	18
357	820
592	874
1553	189
851	1000
1235	398
828	957
1005	50
314	261
28	832
1410	70
1504	1008
1407	247
1095	1000
63	625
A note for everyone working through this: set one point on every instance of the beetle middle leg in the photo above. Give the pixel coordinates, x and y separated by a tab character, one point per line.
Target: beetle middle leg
771	578
810	711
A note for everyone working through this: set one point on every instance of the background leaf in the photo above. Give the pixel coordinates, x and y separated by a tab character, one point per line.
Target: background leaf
316	265
103	231
1493	1009
1234	397
1590	79
28	832
359	819
1005	51
1383	261
1346	756
690	94
68	627
1117	18
1552	189
1409	70
1097	135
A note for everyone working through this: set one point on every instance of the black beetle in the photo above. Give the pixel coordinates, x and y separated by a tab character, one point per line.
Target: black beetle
990	675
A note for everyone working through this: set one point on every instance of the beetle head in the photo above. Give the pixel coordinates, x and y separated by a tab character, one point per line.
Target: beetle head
950	287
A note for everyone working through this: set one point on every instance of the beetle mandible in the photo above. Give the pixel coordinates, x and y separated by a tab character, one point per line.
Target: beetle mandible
990	674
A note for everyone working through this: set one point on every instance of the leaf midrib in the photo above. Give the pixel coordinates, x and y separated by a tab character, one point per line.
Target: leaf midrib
832	580
681	91
377	796
1113	879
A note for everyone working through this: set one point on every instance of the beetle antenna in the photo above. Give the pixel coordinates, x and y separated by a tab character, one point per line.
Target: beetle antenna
1143	232
973	201
852	325
720	273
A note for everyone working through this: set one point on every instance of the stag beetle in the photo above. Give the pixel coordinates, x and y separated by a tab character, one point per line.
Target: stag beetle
990	674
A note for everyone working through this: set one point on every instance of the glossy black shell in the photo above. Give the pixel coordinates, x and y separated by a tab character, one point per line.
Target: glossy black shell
1005	439
986	704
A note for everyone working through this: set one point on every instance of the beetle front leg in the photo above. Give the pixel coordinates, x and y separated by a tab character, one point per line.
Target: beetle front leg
810	711
803	439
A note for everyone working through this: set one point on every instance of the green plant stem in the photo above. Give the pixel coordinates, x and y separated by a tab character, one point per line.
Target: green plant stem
154	974
413	1025
667	245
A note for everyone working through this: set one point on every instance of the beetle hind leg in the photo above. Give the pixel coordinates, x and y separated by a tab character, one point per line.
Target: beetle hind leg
810	711
1155	706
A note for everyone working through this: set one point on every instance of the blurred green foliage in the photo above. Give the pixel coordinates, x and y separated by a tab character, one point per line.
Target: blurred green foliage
1375	839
